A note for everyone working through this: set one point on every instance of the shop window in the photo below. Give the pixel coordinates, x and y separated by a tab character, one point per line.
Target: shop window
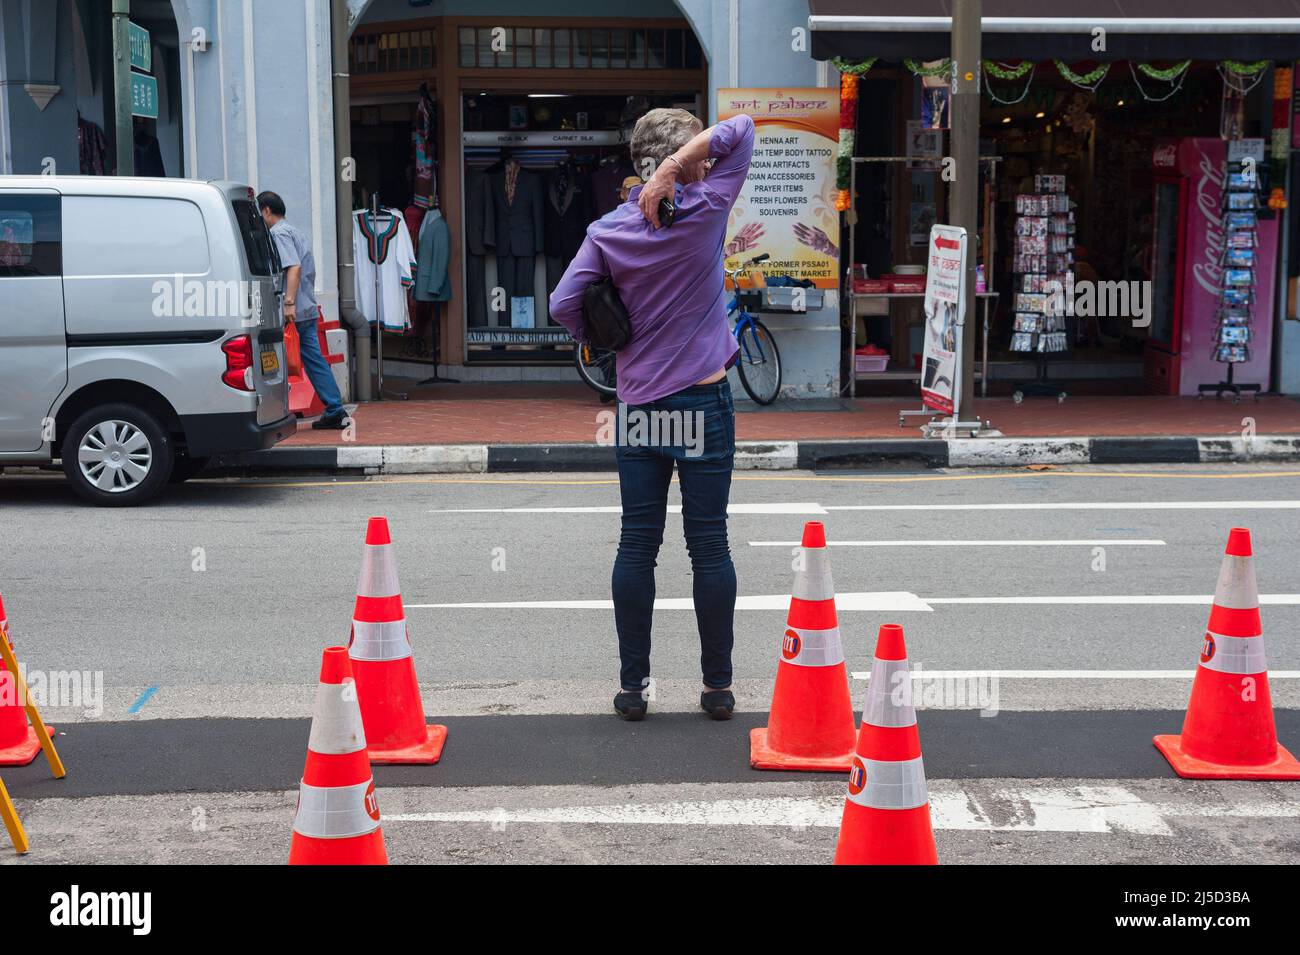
524	48
595	48
656	51
676	54
581	48
694	55
392	51
636	49
465	39
599	49
618	49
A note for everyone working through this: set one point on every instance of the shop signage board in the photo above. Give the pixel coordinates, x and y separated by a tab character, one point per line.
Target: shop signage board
556	137
945	305
499	335
787	206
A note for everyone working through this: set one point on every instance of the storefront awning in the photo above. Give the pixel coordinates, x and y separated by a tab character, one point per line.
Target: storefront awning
1135	29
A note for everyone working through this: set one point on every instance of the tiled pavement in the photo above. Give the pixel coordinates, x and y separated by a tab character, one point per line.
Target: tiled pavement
542	413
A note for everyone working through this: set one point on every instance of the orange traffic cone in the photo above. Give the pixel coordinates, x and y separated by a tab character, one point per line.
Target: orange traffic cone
1229	731
811	724
887	812
19	743
337	819
381	660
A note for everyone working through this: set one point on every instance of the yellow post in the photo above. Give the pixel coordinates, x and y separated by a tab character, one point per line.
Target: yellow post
10	815
33	714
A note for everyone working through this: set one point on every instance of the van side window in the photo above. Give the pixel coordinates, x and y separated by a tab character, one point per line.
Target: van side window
257	240
30	240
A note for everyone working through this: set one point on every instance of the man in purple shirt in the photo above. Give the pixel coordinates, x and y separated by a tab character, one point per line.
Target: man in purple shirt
675	407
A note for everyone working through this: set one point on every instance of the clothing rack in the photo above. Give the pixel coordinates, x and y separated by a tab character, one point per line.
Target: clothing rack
375	211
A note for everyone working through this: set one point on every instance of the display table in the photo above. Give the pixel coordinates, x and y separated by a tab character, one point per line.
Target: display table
913	374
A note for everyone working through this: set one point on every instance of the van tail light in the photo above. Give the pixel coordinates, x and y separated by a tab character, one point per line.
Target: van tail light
239	363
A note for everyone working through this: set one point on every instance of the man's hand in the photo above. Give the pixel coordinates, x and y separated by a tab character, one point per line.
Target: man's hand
290	311
660	186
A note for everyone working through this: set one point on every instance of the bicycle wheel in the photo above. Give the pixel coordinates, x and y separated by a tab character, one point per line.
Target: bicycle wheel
596	368
759	364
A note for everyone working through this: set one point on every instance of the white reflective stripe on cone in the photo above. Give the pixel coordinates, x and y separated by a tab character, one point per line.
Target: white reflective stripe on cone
812	648
894	784
814	581
378	572
379	641
336	720
889	695
336	812
1244	655
1237	589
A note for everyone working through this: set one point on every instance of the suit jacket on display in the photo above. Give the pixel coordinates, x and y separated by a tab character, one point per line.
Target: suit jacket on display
432	257
480	224
518	224
568	214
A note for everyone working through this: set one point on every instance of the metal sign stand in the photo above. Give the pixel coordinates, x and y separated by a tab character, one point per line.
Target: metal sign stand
379	300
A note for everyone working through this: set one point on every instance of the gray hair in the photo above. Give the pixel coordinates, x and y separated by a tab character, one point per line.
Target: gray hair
659	134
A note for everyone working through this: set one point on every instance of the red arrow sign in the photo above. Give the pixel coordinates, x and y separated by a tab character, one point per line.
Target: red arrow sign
941	243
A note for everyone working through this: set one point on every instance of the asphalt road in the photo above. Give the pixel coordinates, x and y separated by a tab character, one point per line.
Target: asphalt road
203	617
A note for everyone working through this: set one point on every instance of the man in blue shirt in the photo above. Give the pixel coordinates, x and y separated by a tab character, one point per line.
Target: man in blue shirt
300	307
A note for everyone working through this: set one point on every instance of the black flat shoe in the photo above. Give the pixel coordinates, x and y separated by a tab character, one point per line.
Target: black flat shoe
631	705
327	423
719	704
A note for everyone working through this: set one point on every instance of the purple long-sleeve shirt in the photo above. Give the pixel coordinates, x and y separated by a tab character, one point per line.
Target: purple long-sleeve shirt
670	279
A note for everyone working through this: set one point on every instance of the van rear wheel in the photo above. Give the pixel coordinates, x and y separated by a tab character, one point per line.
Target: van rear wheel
117	455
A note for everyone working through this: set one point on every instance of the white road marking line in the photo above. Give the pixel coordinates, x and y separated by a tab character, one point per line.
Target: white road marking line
1283	600
1085	809
883	601
1066	674
1136	542
878	601
1078	506
779	507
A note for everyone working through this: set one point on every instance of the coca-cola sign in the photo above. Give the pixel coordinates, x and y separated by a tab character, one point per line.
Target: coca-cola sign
1165	156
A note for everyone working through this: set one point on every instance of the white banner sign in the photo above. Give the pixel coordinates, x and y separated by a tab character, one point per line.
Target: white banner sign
945	293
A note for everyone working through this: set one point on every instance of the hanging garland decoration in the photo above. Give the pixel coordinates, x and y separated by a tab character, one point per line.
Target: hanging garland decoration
857	69
844	154
1169	75
944	67
1087	81
1235	75
1004	72
1001	72
1175	74
1245	69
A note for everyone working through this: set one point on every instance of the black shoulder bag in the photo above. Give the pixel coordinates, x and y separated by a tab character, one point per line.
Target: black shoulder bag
604	316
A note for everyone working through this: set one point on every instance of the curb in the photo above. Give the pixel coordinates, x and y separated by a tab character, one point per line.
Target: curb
865	454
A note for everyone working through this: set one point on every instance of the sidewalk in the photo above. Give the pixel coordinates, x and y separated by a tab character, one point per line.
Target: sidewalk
553	426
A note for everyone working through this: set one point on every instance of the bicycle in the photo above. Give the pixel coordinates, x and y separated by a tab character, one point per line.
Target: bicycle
596	368
759	364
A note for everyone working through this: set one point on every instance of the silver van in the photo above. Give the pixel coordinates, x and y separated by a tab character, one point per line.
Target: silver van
140	330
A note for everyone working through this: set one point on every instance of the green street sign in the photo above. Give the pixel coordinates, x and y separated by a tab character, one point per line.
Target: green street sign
144	96
141	49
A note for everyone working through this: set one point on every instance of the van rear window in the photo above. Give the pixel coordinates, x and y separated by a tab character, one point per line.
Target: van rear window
257	240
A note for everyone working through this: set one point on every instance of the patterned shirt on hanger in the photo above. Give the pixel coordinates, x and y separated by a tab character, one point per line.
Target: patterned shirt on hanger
384	246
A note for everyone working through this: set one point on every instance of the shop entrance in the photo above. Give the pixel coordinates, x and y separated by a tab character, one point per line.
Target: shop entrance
538	169
443	106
